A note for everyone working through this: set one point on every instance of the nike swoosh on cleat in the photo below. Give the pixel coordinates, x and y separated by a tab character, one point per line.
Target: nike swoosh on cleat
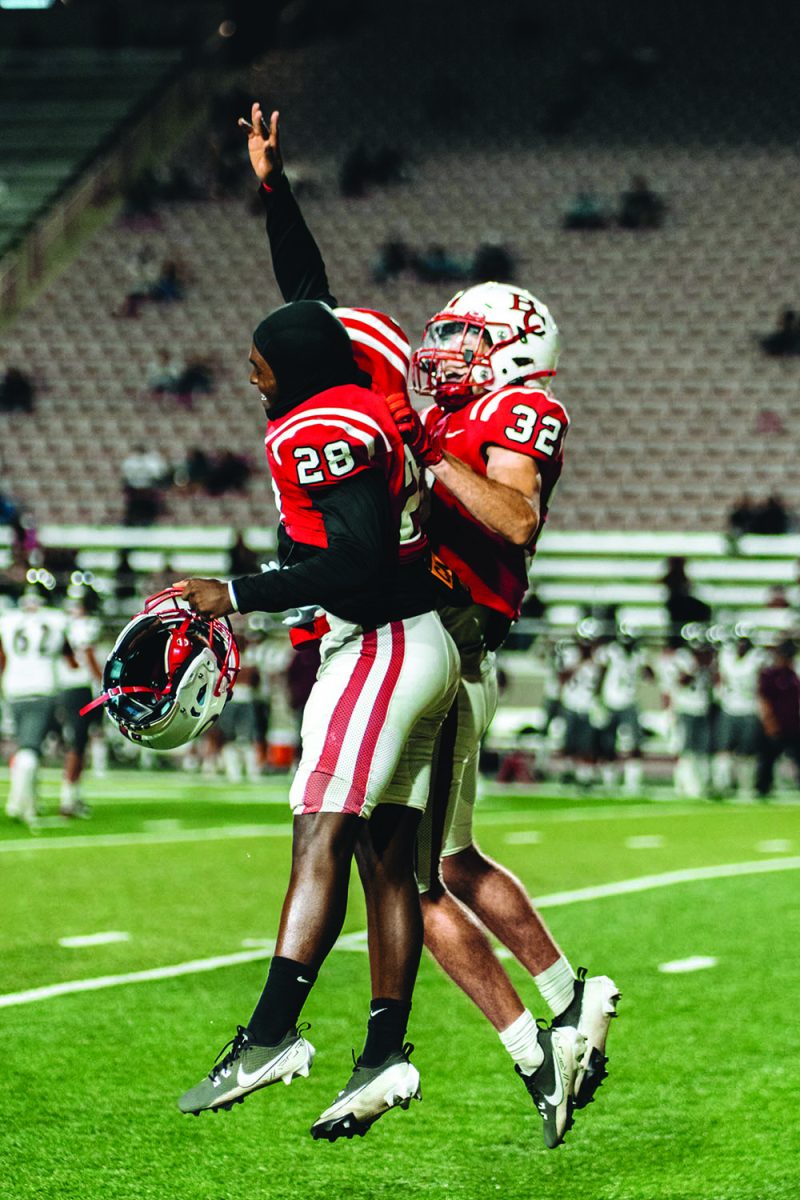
248	1078
558	1094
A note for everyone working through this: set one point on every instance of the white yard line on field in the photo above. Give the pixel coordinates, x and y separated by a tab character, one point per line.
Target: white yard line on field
682	966
357	941
78	941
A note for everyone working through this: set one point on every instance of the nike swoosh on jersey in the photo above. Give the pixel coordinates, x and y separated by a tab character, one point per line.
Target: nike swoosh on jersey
455	433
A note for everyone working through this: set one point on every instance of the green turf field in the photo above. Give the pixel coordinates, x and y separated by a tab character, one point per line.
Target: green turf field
702	1095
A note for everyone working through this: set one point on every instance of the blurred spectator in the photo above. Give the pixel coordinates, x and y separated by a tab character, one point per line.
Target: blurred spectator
362	167
199	375
435	265
9	512
771	517
492	261
776	597
170	284
229	473
393	258
16	391
640	207
144	271
194	472
785	338
171	373
166	373
243	560
586	211
779	711
144	473
681	605
125	587
740	516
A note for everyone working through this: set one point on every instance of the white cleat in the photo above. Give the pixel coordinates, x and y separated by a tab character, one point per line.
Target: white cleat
246	1067
592	1009
369	1093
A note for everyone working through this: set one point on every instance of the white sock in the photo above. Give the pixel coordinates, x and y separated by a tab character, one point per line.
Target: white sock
69	794
557	985
22	793
722	771
98	754
232	762
632	774
609	775
520	1040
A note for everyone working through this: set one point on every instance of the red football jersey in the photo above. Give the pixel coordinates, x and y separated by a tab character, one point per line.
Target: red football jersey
326	439
522	419
383	352
380	348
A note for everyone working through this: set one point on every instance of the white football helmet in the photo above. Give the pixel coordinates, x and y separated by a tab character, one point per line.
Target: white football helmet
487	337
170	673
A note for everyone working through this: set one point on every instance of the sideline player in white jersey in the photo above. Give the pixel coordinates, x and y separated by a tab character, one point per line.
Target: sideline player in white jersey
691	698
622	668
489	501
77	685
32	640
580	681
739	664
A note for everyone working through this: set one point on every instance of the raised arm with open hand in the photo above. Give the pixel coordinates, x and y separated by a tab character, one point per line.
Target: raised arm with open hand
263	144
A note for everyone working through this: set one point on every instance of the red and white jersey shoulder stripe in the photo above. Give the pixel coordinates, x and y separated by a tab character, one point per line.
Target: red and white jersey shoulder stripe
380	347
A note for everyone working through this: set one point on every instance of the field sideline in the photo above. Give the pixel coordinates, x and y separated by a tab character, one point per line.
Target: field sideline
132	944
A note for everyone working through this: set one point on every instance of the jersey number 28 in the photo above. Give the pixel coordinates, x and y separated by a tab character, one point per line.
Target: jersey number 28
338	459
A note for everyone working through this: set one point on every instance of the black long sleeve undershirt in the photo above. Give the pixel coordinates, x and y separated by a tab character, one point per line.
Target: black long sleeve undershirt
296	260
351	577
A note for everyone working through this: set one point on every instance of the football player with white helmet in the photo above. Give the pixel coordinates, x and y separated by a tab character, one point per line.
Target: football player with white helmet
493	444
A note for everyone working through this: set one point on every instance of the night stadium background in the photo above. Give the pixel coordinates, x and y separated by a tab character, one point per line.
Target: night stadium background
133	941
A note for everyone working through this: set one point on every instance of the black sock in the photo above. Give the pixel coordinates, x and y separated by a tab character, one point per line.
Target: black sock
386	1031
285	992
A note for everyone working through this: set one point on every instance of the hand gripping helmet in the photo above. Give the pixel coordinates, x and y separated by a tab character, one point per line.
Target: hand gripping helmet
487	337
170	673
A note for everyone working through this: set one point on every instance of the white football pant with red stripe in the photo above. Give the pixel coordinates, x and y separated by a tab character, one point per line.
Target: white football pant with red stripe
447	825
371	721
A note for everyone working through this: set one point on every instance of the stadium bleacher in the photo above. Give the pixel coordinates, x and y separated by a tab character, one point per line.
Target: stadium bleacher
660	367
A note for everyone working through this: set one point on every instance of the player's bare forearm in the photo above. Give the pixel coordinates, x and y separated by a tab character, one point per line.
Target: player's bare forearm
504	510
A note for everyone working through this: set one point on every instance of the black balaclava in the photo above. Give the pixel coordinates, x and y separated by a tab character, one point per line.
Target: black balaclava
309	350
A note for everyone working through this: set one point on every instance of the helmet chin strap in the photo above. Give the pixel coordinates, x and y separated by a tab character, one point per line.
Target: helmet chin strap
178	648
177	651
118	691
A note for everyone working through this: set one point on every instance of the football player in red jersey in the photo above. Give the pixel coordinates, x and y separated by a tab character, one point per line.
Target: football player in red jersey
388	676
493	443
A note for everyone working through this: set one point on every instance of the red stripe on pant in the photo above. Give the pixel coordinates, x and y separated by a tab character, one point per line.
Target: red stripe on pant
377	720
340	720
